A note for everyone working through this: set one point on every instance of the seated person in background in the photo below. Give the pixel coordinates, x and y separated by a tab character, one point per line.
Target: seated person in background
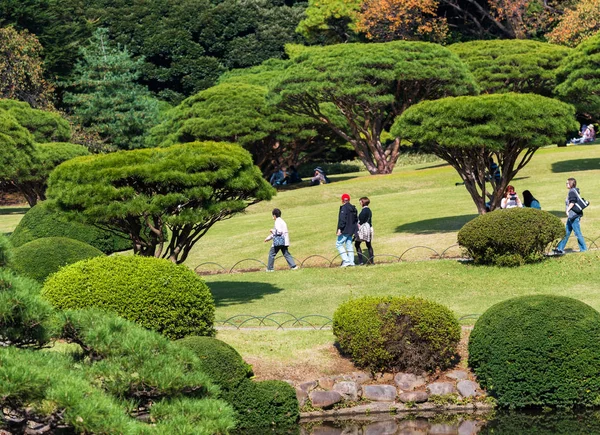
511	199
319	177
293	176
277	177
588	135
530	201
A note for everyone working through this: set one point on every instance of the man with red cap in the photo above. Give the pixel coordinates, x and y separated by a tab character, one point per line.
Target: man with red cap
347	227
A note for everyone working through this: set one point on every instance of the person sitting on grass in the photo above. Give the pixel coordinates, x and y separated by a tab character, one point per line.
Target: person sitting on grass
530	201
319	177
278	177
511	199
588	135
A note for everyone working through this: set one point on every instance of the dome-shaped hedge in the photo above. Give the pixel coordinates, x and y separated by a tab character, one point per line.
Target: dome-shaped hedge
219	360
538	351
42	257
264	407
40	222
397	333
510	237
152	292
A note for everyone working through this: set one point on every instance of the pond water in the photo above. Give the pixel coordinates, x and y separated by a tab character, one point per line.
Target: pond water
578	422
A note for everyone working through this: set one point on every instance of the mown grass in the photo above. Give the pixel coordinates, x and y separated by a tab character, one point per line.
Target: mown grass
417	205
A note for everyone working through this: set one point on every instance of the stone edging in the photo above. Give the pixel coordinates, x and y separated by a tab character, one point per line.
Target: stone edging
345	395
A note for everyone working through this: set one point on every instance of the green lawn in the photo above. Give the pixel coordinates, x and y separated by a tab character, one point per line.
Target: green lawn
10	216
418	205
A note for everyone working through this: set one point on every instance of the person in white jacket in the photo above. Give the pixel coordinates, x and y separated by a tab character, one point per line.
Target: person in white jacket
281	242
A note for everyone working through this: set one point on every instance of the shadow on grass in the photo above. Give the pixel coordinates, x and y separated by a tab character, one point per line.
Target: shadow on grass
227	293
576	165
439	225
438	165
13	210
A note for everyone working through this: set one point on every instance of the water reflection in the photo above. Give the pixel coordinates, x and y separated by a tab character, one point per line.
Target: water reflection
578	422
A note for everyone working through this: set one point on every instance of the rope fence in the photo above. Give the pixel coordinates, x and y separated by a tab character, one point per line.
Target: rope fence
320	261
282	320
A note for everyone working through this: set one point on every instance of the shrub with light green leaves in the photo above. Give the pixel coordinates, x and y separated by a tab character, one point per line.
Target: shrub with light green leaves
40	222
510	237
538	351
152	292
42	257
397	333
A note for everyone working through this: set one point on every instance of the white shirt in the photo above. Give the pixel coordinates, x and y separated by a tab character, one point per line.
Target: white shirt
281	228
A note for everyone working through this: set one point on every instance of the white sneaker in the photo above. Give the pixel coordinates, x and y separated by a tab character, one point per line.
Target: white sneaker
294	268
269	270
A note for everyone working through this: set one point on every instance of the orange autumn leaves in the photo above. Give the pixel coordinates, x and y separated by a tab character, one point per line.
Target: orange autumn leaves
577	24
387	20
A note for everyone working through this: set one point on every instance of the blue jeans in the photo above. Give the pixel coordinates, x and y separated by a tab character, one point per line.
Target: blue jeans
573	225
345	248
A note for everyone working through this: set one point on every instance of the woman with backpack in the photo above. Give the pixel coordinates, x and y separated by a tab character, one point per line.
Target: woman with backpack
574	209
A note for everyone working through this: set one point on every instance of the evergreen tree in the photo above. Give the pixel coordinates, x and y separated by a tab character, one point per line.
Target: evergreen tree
105	98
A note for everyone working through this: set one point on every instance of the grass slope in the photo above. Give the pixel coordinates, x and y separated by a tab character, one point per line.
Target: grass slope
416	205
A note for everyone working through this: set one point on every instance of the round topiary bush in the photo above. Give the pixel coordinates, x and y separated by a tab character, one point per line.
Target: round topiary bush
397	333
42	257
219	360
264	405
538	351
41	222
510	237
152	292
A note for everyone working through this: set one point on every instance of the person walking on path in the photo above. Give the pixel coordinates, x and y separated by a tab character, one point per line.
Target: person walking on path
281	241
365	232
574	214
347	227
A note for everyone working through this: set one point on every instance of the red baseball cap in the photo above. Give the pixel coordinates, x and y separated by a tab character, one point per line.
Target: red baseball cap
345	197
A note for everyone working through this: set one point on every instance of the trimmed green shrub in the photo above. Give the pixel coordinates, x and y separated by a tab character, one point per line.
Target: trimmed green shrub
538	351
219	360
42	257
5	251
41	222
152	292
397	333
24	316
510	237
263	405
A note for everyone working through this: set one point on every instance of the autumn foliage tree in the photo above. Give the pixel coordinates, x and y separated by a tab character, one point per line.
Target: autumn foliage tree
388	20
577	23
21	72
